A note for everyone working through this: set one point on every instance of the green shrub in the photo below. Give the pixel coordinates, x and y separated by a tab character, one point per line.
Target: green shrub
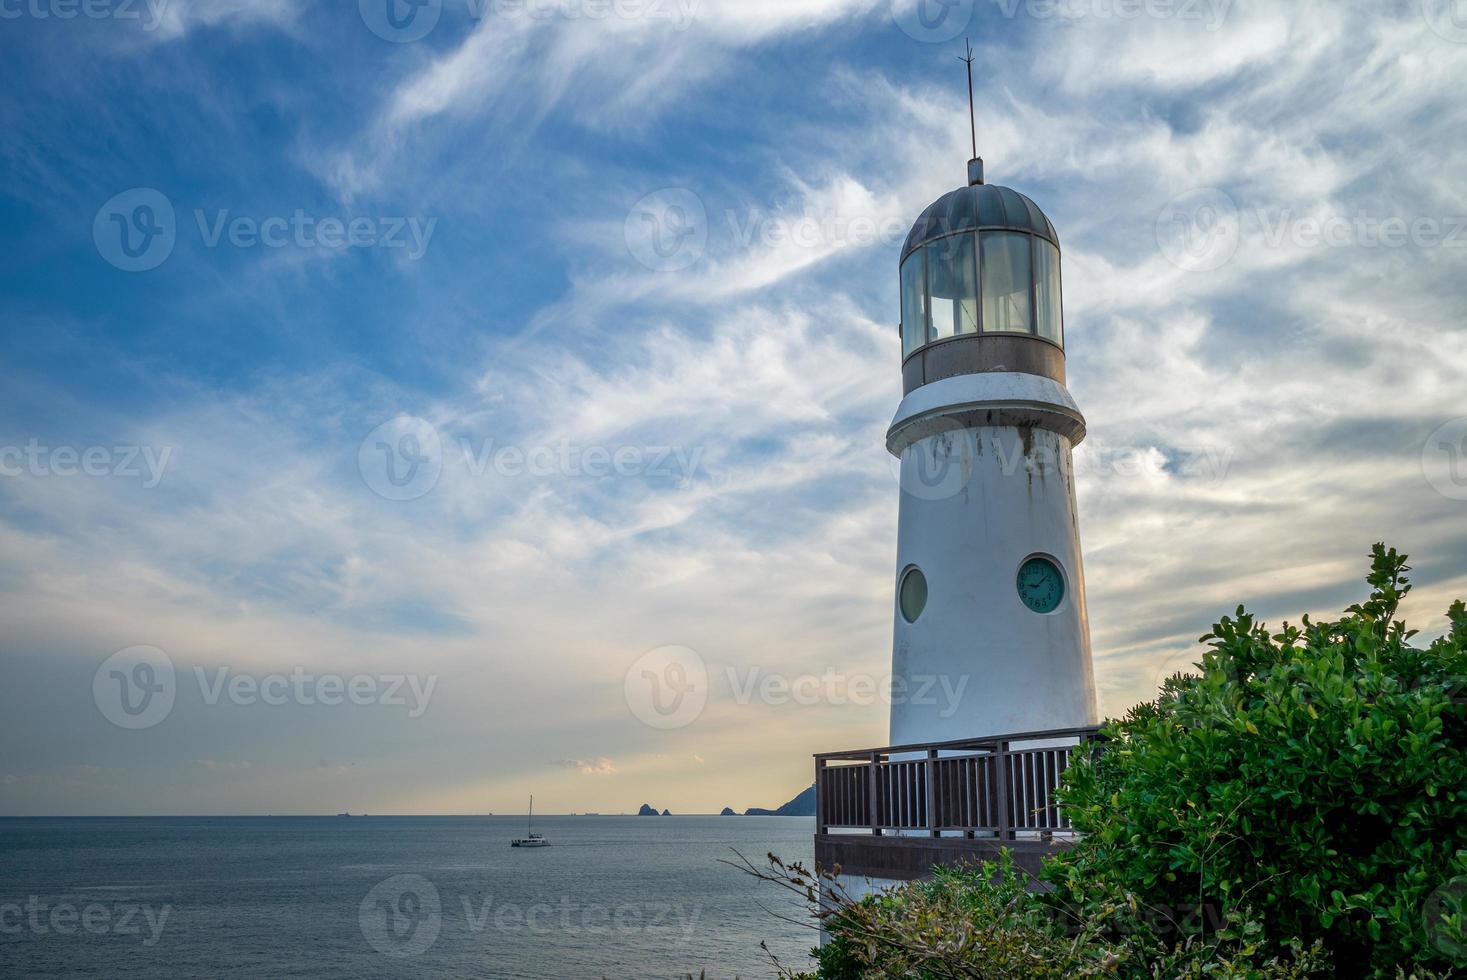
985	919
988	923
1317	775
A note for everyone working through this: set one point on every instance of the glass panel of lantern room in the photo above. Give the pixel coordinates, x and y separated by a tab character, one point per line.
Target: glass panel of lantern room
1007	276
952	286
914	304
1048	308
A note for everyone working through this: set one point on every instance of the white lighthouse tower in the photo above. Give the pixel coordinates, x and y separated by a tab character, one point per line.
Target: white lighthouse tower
991	631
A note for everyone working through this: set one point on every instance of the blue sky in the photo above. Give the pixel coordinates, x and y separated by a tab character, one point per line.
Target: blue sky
1266	398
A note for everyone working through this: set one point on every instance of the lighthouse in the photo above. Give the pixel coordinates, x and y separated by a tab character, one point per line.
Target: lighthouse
990	584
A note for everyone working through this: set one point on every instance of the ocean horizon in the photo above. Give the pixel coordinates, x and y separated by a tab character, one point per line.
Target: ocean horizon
395	896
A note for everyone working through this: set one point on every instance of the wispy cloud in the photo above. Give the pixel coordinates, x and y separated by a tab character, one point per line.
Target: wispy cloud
606	74
176	18
589	767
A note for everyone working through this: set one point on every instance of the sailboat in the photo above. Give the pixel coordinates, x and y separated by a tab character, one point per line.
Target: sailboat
532	839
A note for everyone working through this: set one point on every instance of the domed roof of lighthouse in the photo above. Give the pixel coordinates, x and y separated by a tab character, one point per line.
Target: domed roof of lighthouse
980	287
978	207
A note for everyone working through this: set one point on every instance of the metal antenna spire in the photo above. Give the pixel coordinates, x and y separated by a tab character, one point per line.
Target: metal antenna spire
972	120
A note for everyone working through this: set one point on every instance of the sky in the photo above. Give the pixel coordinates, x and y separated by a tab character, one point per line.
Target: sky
389	386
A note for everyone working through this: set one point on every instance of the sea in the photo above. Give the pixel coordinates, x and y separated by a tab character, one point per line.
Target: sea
369	896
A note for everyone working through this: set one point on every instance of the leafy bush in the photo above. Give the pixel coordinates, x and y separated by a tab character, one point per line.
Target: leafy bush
1317	775
987	922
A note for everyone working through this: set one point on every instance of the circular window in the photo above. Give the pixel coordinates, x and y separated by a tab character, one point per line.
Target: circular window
1041	584
912	596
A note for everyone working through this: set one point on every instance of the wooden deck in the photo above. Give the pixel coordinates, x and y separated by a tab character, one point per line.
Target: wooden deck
896	812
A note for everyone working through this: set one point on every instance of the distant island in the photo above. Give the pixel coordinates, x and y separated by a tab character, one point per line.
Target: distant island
801	806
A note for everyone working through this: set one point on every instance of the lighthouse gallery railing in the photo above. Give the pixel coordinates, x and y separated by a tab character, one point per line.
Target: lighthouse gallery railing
1001	786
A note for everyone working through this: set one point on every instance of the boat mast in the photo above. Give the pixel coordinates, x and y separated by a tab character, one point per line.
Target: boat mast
530	823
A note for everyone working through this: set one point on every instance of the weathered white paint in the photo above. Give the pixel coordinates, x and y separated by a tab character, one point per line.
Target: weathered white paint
973	397
857	887
986	483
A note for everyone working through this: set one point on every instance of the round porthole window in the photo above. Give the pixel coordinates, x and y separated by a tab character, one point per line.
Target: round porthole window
1041	584
912	595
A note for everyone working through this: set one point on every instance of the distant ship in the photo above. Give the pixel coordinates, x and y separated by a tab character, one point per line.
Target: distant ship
532	839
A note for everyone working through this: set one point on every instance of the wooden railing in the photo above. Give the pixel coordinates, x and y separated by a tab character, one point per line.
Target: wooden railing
1001	786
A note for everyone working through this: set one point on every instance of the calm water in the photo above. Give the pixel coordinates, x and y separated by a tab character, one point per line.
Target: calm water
392	897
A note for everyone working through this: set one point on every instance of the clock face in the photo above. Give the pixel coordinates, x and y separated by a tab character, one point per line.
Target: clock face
1041	585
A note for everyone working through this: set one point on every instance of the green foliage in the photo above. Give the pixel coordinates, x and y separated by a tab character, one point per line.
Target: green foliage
988	923
1317	775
